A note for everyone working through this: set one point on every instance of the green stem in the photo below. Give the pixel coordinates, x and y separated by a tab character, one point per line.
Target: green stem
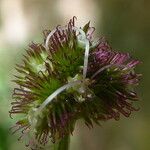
63	144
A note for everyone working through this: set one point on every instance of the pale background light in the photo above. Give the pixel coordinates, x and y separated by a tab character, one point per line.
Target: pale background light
14	29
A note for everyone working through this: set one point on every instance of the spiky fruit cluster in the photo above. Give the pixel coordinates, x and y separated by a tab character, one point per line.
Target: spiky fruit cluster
105	93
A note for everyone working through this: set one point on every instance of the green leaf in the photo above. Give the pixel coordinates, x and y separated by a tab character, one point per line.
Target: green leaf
86	27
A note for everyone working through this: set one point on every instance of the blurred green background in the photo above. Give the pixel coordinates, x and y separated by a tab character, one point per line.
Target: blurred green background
125	23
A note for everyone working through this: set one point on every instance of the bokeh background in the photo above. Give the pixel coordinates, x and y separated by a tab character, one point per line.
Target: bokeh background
125	24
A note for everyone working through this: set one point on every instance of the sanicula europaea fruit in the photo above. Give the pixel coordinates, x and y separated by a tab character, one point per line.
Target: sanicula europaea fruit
100	91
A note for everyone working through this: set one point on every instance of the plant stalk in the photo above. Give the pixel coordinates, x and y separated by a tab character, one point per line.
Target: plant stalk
63	144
